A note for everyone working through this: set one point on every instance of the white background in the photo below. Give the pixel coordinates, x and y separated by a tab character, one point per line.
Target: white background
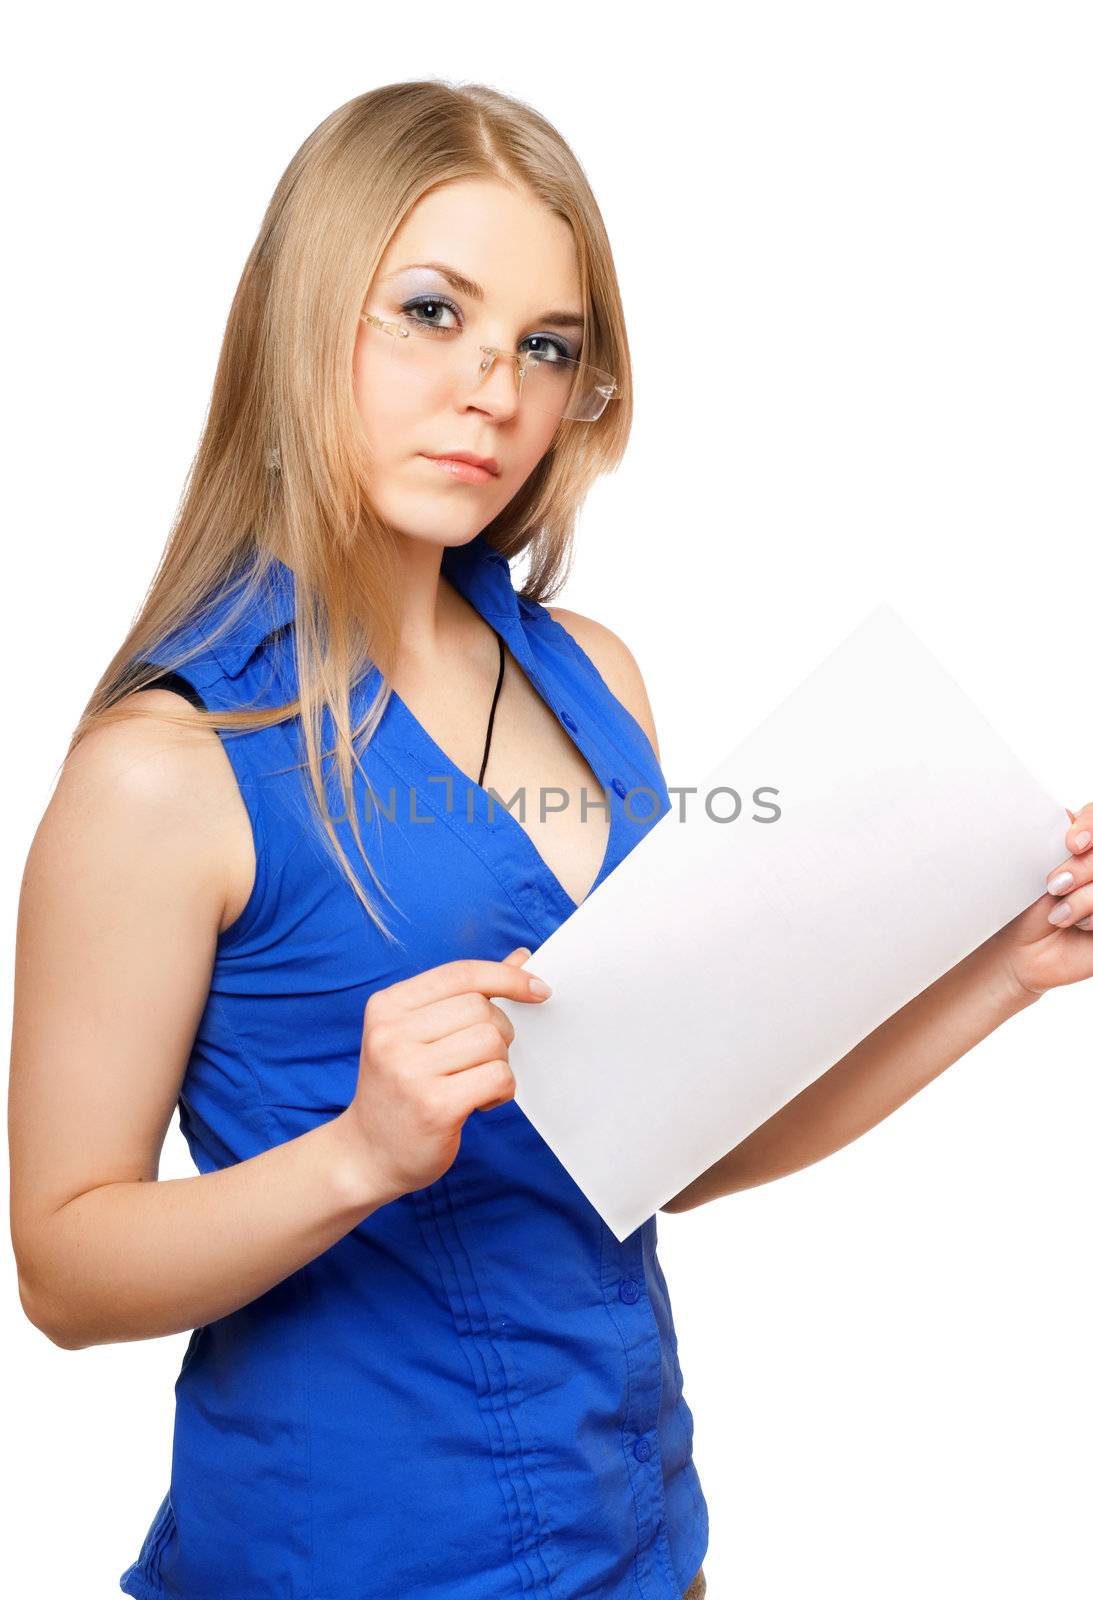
855	249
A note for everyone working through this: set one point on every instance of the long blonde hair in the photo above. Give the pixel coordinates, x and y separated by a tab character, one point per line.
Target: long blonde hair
281	467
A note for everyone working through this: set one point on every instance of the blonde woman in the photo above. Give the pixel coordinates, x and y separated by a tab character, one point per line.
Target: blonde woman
278	886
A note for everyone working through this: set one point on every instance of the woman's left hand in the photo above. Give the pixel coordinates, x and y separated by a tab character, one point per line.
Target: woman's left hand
1041	954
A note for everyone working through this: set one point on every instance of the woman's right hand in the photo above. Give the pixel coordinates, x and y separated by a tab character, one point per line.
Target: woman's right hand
434	1048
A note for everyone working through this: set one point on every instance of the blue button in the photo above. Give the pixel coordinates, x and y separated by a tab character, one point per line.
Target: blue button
643	1449
619	787
568	720
629	1291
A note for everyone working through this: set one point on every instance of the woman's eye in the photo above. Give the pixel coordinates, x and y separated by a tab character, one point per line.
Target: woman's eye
432	308
427	311
545	344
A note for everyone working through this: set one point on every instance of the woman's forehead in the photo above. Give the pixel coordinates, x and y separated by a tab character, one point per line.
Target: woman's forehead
493	238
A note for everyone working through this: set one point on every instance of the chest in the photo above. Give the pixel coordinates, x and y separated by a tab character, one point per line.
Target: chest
535	765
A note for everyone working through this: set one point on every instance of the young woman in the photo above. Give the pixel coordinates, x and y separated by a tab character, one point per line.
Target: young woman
271	889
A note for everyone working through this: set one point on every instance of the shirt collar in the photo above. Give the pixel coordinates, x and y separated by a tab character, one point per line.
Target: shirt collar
480	573
273	607
482	576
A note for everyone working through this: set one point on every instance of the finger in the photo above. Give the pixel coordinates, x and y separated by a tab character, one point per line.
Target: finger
468	1047
1072	909
517	957
475	1082
428	1023
467	976
1071	874
1079	836
504	1022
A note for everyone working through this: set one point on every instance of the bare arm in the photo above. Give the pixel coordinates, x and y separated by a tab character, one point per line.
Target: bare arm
143	855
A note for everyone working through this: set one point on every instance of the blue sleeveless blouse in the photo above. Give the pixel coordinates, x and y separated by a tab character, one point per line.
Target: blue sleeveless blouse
476	1393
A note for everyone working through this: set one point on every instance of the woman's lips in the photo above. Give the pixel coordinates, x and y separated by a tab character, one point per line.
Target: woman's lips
461	469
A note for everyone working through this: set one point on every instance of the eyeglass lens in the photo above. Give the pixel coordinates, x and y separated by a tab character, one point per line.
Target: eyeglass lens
555	385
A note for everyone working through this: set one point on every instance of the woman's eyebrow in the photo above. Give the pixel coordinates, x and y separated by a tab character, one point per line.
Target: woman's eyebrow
474	291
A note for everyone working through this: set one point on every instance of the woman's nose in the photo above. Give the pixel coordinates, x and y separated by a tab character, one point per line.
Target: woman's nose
493	384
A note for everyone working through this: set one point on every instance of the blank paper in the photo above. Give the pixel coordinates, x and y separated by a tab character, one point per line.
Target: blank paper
722	967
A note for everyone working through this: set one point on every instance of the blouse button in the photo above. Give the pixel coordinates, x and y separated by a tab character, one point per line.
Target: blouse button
619	787
629	1291
568	720
643	1450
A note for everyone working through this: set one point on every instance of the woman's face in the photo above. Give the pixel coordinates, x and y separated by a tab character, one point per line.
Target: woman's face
523	258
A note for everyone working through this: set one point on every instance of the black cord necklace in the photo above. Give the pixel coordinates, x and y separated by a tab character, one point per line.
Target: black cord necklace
493	707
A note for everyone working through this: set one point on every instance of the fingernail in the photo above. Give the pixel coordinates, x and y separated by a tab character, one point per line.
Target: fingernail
1060	883
1086	922
1060	913
537	986
1082	840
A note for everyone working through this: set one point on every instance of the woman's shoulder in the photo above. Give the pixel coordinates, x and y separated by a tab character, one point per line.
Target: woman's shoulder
160	790
615	663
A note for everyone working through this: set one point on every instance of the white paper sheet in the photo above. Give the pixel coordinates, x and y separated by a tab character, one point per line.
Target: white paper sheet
722	967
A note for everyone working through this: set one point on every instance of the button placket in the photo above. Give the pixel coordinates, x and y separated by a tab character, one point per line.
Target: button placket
627	1298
